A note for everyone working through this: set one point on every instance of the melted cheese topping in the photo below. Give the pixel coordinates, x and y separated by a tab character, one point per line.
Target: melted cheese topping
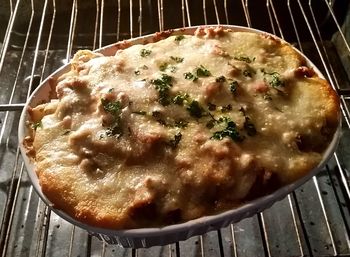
181	128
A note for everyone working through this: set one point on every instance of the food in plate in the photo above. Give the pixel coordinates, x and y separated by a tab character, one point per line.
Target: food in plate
179	128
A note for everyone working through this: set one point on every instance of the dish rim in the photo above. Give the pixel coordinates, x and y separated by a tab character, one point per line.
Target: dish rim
209	220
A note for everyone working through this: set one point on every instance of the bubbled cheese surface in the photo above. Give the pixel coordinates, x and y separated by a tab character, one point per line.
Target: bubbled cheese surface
184	127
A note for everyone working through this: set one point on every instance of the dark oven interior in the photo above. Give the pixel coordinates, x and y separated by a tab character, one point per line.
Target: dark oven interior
36	37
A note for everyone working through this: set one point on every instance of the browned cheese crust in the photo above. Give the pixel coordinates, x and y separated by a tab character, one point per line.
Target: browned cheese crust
181	128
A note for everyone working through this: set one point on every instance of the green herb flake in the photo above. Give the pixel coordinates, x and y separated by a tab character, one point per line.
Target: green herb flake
111	107
245	59
220	79
195	109
190	76
177	59
180	98
163	85
173	143
179	38
230	131
137	72
36	125
275	80
145	52
201	71
144	67
233	87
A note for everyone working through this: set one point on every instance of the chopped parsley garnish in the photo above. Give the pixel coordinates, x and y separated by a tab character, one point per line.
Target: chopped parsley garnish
233	87
245	59
181	123
179	38
137	72
36	125
249	127
177	59
145	52
230	131
211	107
275	80
163	85
111	107
173	68
180	98
144	67
195	109
201	71
173	143
110	90
190	76
220	79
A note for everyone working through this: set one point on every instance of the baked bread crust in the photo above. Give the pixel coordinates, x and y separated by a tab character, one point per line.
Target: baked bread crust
185	127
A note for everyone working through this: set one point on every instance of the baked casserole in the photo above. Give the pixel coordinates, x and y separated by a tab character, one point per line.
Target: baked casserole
179	128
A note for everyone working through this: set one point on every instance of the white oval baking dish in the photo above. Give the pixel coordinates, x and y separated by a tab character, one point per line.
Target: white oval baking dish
147	237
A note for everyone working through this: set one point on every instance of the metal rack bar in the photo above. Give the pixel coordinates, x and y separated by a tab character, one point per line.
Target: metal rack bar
270	16
226	12
131	19
205	12
96	23
234	245
264	234
295	225
183	13
72	30
188	14
276	18
100	44
216	12
6	41
246	12
140	18
118	20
